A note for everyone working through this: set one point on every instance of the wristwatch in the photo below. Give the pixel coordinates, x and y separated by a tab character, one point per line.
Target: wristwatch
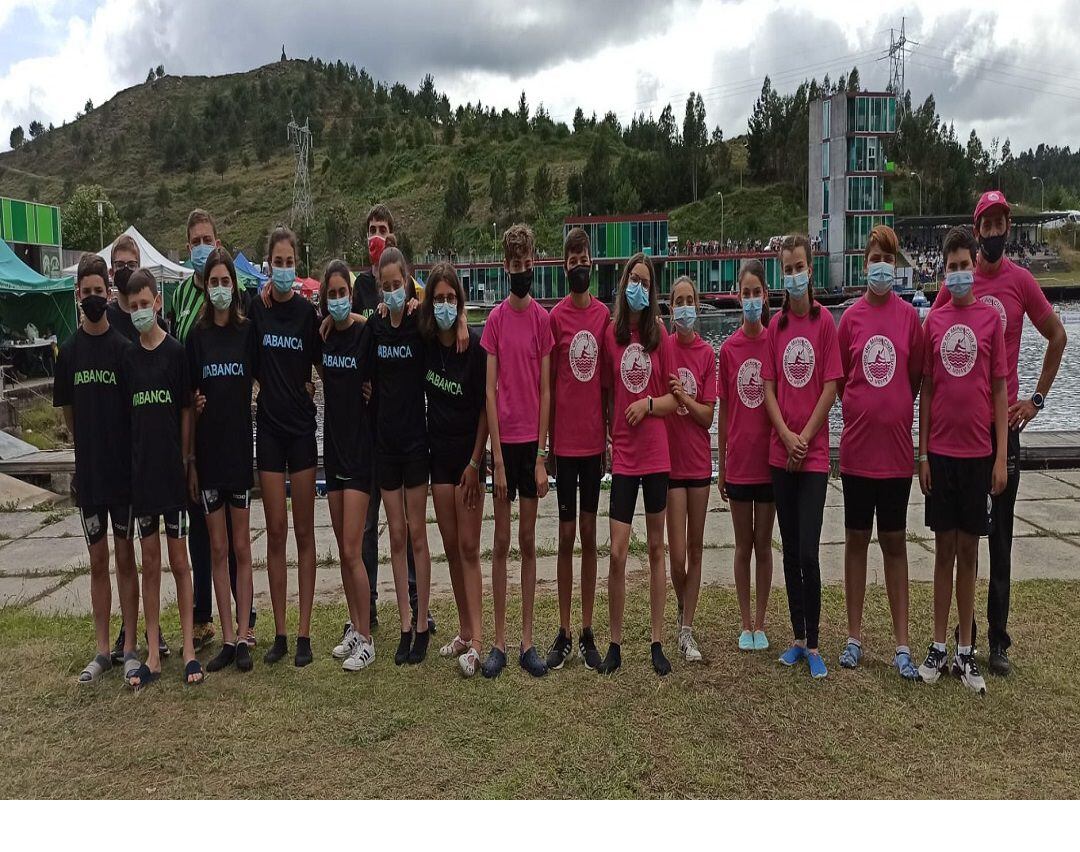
1038	400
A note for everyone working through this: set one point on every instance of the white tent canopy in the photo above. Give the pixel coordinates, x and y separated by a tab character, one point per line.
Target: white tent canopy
162	268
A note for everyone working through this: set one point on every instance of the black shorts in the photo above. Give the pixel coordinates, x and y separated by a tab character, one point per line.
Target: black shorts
758	492
959	497
703	482
95	522
176	523
449	461
401	472
347	483
888	497
278	454
624	490
519	462
573	473
213	499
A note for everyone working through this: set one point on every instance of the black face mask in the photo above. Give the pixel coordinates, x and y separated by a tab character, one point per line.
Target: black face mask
94	307
521	283
579	278
991	248
120	279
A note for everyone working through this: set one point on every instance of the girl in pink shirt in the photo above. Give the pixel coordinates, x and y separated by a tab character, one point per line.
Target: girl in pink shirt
693	383
637	367
800	386
743	432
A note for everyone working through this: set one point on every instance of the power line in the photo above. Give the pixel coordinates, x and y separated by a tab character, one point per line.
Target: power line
924	60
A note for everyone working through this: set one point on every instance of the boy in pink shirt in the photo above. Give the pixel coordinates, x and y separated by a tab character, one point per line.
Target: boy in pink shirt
963	387
517	338
880	342
578	326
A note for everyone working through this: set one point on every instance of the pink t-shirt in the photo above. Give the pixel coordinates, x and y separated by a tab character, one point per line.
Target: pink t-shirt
633	374
575	364
520	340
748	427
878	345
690	445
1012	292
803	356
965	348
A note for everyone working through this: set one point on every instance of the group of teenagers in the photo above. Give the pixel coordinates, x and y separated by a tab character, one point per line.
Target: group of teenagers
413	399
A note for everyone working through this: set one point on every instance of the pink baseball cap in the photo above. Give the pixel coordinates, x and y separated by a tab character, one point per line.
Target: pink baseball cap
991	198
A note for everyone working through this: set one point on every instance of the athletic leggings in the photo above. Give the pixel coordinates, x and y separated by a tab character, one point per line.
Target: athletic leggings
800	503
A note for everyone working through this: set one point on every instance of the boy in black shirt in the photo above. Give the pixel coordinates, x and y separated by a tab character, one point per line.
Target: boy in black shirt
90	387
160	431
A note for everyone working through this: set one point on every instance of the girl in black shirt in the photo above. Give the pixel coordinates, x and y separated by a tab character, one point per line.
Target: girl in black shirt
220	367
455	384
347	455
287	346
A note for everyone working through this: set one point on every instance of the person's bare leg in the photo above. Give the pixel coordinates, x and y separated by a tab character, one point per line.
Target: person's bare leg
587	525
101	594
416	519
500	552
697	504
856	544
354	576
527	545
335	502
445	501
676	530
127	586
277	529
219	567
967	554
469	523
620	546
565	571
894	555
944	558
303	517
394	506
654	530
181	571
151	594
764	515
742	521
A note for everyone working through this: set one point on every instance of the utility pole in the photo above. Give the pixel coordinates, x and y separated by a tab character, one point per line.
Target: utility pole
898	46
718	192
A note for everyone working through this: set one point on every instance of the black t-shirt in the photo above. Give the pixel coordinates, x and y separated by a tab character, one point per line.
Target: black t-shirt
366	293
90	377
220	364
287	346
400	427
121	321
456	386
160	391
347	437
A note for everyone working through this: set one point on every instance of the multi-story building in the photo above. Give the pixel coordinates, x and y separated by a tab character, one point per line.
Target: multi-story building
33	232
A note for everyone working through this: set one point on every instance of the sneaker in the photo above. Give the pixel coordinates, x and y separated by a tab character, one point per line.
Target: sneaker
494	664
792	655
851	655
243	657
531	662
276	651
202	635
349	640
905	666
303	656
998	663
249	638
969	674
746	641
613	661
688	645
562	649
117	653
761	641
163	646
935	664
587	650
679	618
469	662
418	651
817	666
362	656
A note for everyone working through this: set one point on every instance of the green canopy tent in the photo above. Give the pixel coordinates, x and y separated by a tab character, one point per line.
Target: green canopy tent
29	298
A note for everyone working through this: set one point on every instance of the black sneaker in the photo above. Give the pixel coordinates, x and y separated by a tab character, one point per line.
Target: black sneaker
613	661
935	664
277	651
562	649
373	619
531	662
118	648
303	656
494	664
660	663
401	655
998	663
587	650
243	657
225	657
419	648
163	646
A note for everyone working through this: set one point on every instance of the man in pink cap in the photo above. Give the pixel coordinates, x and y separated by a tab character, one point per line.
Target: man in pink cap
1013	292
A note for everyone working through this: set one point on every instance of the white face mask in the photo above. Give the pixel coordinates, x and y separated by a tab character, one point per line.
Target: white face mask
880	276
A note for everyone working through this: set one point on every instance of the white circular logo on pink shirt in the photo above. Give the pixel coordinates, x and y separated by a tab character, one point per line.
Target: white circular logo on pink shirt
635	368
582	354
798	362
959	350
689	384
748	383
995	303
879	360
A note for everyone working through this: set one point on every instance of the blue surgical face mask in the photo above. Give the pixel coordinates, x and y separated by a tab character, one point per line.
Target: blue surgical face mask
143	319
637	297
199	254
960	282
879	277
445	315
395	300
751	308
339	308
283	277
685	316
797	284
221	297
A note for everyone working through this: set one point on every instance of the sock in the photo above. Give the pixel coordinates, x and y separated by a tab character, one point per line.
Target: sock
939	646
853	641
903	649
963	650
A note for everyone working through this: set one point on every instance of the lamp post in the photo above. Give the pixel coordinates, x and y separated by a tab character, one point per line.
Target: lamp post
100	217
1042	185
919	178
494	239
718	192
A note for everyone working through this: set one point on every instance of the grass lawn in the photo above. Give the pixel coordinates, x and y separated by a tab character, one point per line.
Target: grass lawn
739	726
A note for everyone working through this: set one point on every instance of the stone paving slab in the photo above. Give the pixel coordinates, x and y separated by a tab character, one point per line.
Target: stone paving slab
1036	485
70	525
1070	477
1058	516
43	556
19	524
16	591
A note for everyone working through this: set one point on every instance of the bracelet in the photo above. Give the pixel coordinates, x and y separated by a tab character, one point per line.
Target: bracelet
541	454
650	405
924	458
474	464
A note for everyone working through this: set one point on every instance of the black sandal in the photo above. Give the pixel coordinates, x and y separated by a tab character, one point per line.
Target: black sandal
145	676
193	668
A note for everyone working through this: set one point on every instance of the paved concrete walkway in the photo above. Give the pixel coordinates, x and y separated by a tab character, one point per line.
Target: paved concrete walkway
44	562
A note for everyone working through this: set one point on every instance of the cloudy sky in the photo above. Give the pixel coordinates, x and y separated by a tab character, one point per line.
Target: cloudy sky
1006	68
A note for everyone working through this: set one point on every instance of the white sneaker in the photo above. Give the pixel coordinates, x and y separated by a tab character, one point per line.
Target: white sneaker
348	644
688	645
469	662
969	674
363	655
